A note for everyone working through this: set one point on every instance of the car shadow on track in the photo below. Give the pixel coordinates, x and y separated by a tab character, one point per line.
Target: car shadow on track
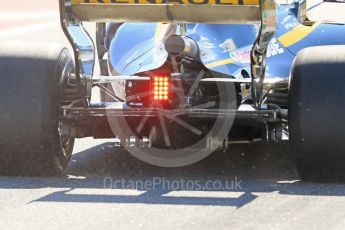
105	174
252	161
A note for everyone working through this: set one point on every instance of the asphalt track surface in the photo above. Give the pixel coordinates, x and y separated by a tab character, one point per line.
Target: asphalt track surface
251	187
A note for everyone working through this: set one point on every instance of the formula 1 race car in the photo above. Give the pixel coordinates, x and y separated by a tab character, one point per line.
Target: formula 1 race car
175	91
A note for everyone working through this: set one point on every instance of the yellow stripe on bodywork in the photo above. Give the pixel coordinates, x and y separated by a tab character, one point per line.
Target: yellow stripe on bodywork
288	39
175	2
220	63
297	34
161	30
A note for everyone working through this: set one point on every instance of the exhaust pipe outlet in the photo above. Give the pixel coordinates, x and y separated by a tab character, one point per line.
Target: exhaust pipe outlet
183	46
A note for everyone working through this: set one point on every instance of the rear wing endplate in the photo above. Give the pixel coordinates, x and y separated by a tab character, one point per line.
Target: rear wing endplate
74	12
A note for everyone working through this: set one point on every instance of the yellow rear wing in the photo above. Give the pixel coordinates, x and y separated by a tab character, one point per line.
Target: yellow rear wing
193	11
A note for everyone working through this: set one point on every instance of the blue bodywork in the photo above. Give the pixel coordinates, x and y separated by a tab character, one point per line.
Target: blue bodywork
139	47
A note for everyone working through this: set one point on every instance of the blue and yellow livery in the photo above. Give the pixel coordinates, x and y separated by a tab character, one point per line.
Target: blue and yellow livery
224	48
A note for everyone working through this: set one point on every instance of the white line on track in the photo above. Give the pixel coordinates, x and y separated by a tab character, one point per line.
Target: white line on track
28	29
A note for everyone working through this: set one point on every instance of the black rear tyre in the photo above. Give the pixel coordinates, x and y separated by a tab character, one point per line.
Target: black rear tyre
316	113
33	86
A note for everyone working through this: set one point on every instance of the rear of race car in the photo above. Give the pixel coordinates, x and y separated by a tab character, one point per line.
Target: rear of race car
184	79
184	110
178	104
159	84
